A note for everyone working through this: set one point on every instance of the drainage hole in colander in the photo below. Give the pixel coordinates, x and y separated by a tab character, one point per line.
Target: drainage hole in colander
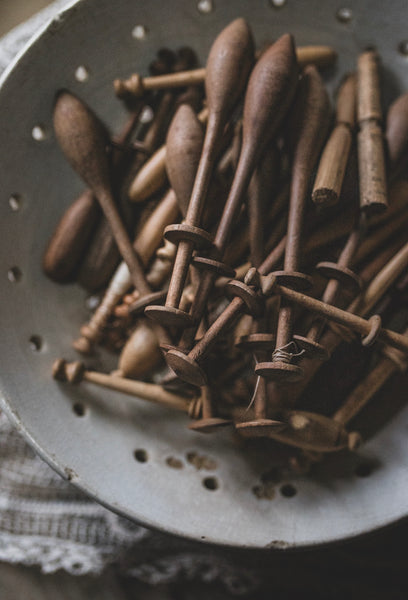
210	483
288	490
81	74
141	455
344	15
38	133
139	32
205	7
36	343
403	48
15	202
14	274
79	409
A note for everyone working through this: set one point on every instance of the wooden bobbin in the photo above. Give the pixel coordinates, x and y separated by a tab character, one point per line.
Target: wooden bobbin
279	371
189	233
168	316
294	280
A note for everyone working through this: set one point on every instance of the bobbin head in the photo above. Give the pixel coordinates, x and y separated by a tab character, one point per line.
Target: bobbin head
312	349
186	368
209	425
168	316
279	371
259	427
64	371
133	85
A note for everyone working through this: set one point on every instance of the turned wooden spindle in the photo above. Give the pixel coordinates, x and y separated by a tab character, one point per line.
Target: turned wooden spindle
146	243
310	125
136	85
75	372
83	140
371	161
74	237
333	162
227	71
269	93
396	135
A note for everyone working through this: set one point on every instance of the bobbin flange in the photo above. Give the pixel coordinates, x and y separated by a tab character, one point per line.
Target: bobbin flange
279	371
293	280
168	316
371	338
215	266
188	233
253	301
259	427
209	425
140	304
256	342
312	348
343	275
186	368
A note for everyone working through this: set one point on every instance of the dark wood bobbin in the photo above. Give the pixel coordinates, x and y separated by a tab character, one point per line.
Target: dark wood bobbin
209	425
261	426
254	302
343	275
188	233
63	371
185	367
221	269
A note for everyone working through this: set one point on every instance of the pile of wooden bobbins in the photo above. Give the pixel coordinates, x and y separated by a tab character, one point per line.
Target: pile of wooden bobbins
252	180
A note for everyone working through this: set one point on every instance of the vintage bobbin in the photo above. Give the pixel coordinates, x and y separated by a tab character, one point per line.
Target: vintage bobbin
307	133
270	89
227	71
259	344
370	329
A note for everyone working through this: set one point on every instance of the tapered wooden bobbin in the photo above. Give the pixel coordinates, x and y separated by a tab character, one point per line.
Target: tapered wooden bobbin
83	140
208	422
333	162
371	161
227	70
270	90
306	137
259	344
